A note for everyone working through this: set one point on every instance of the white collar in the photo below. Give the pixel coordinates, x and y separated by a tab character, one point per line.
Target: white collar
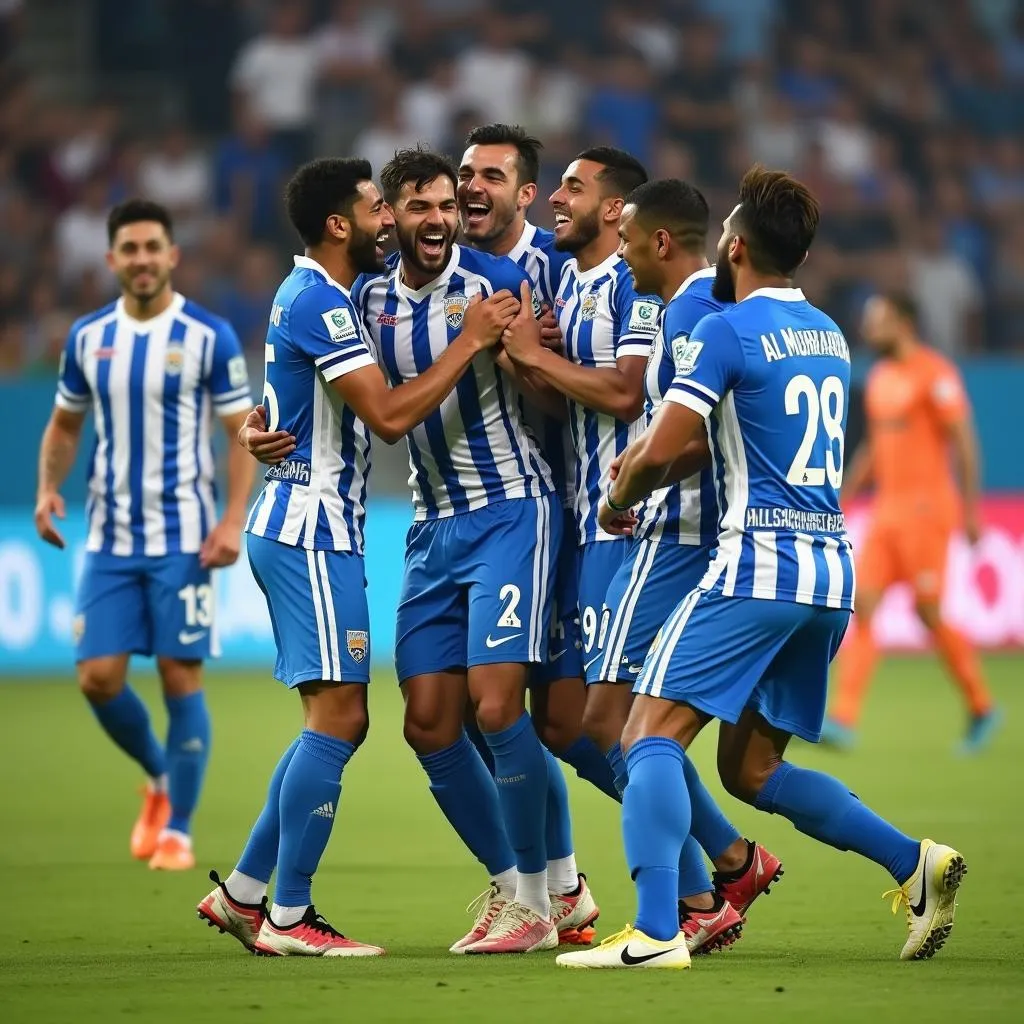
695	276
145	326
308	263
606	266
523	244
779	294
418	294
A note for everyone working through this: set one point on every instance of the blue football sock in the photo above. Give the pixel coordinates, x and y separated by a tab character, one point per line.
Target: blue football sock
693	870
464	790
259	857
823	808
710	827
188	750
620	775
559	826
126	721
521	775
655	824
586	760
310	792
477	739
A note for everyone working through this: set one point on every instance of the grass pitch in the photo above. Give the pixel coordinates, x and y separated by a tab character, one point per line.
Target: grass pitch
87	934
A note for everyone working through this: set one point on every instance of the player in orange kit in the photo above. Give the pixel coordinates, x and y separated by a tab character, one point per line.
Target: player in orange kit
917	417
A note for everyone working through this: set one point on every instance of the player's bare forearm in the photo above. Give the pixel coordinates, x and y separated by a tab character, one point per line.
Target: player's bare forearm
58	449
649	459
968	463
695	457
241	471
606	389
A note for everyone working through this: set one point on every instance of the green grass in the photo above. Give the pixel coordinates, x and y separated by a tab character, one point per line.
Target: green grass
86	934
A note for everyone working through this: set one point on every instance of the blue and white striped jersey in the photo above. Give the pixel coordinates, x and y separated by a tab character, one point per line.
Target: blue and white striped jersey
773	375
315	498
686	512
535	253
153	387
602	319
474	450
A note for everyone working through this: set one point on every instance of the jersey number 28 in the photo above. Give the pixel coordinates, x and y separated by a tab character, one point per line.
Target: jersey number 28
824	409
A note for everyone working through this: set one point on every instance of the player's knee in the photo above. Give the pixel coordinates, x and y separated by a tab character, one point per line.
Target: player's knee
497	711
180	678
597	727
428	729
744	780
98	681
558	734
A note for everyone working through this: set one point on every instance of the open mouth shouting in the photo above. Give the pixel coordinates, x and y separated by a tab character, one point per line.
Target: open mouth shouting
562	221
475	214
432	245
382	240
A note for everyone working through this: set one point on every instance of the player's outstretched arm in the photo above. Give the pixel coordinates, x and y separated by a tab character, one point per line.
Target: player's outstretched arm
56	457
392	412
646	463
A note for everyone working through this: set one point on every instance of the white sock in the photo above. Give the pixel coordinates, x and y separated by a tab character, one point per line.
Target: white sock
506	883
285	917
532	892
159	784
562	875
245	888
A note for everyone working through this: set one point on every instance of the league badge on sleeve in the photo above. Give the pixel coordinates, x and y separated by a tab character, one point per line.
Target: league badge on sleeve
454	310
340	325
684	354
643	317
238	372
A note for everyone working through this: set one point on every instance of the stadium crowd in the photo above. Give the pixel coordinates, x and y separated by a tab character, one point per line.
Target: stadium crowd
903	116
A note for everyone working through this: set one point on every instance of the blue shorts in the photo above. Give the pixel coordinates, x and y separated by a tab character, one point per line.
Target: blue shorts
144	604
317	603
599	562
477	587
724	654
642	595
564	660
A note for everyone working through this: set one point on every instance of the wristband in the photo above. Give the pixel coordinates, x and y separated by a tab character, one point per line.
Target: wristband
612	505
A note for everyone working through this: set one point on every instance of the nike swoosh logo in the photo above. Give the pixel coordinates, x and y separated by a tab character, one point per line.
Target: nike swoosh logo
918	908
631	961
591	662
501	639
634	670
184	637
557	654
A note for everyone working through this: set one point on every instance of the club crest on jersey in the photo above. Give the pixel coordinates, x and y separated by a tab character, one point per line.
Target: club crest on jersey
684	354
588	308
340	325
455	310
358	643
174	361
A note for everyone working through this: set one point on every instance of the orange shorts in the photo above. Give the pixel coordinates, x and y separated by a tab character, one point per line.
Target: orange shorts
914	551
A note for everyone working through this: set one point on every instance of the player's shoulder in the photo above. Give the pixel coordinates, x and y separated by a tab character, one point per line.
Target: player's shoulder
366	285
88	319
205	318
692	302
500	271
936	363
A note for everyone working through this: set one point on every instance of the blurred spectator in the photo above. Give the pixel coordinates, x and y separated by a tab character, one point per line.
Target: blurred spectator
426	106
246	301
81	236
386	133
947	292
493	76
276	75
622	110
248	174
1007	323
177	174
846	139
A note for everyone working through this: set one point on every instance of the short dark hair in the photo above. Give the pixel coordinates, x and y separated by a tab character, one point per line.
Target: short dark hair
622	172
777	217
132	211
527	146
320	188
903	303
420	166
677	207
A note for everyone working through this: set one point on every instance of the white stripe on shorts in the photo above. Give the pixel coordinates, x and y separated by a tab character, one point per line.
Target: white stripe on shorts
614	652
655	679
332	623
321	630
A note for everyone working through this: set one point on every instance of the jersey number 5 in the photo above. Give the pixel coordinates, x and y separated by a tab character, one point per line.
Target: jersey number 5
824	409
269	394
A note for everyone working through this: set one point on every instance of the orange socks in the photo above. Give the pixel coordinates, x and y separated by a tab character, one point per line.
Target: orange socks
856	667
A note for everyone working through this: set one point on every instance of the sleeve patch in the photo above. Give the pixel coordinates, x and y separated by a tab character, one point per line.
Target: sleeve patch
63	363
340	325
238	372
643	317
946	391
685	354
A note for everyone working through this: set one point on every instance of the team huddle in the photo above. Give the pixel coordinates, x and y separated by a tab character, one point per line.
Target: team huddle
625	468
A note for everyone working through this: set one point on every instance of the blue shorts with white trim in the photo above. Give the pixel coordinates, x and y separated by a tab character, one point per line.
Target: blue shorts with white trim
564	659
722	655
599	561
477	587
317	603
641	596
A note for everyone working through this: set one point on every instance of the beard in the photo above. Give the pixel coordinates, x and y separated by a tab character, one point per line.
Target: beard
144	293
583	232
500	218
410	252
723	288
362	251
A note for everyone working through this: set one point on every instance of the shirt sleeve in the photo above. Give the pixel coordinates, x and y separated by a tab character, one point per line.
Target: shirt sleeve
636	320
73	392
708	362
325	327
947	396
229	374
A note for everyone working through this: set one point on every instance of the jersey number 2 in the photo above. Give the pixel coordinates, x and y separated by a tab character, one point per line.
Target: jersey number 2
824	409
